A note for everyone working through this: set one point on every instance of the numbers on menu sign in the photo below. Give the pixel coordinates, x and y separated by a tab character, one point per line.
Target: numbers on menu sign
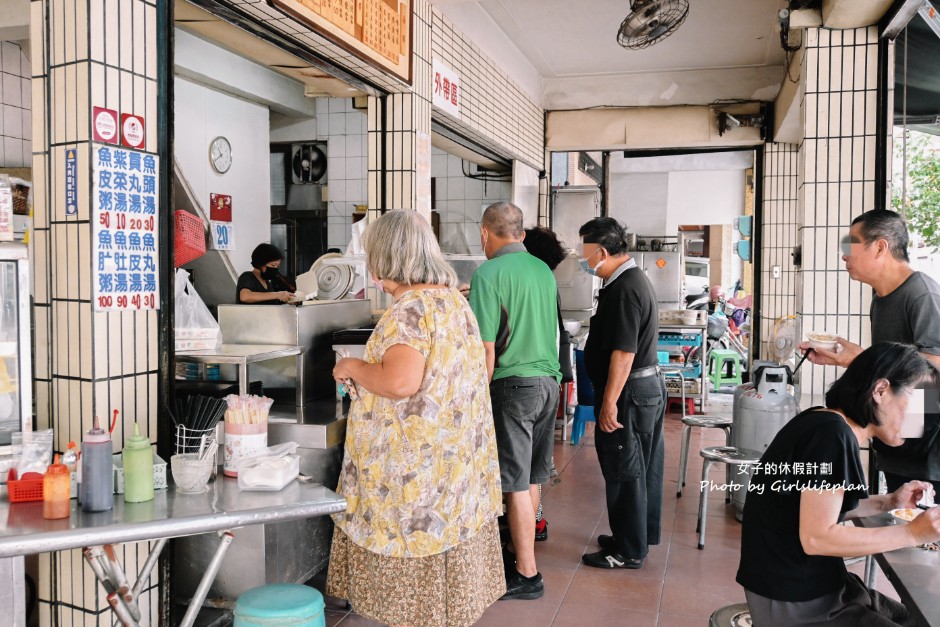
125	240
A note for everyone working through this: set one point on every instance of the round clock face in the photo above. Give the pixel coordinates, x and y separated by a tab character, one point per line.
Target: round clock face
220	155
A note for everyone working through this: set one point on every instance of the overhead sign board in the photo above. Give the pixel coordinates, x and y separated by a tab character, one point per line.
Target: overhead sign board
376	31
445	88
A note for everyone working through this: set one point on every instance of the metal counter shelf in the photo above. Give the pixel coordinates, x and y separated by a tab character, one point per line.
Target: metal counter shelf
170	515
243	354
914	573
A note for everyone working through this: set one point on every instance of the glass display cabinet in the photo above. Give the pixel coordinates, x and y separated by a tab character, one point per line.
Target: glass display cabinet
16	389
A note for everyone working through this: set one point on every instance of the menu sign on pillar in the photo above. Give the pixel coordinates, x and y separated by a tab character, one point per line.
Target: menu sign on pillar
125	229
445	89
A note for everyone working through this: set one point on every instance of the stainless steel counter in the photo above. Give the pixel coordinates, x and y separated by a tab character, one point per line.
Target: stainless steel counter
914	573
309	326
243	354
170	515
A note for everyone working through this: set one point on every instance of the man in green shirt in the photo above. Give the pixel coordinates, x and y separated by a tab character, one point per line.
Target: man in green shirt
514	297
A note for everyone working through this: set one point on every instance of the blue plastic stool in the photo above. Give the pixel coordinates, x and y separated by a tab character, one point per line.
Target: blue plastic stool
280	604
583	414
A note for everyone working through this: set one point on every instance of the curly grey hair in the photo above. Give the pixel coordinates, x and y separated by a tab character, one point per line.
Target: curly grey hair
400	246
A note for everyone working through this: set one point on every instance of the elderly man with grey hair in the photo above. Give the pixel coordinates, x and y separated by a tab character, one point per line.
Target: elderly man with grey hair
514	297
906	309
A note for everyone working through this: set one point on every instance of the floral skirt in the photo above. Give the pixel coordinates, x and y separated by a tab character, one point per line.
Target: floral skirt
449	589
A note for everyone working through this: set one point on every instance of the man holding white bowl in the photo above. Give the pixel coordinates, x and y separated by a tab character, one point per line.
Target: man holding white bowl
905	308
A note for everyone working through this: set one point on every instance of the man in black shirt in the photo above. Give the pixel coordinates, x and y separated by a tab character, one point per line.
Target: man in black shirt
620	357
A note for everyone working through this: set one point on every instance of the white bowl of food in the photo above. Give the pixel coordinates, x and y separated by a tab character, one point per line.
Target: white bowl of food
906	514
823	341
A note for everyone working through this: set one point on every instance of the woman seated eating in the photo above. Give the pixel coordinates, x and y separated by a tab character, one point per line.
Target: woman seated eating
810	479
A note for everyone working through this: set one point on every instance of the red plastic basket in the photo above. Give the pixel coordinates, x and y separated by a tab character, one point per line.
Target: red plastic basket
25	490
190	240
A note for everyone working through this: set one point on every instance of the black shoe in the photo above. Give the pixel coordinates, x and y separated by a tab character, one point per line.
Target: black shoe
609	559
607	543
541	531
518	586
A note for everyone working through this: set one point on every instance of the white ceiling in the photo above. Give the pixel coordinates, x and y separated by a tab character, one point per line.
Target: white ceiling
725	49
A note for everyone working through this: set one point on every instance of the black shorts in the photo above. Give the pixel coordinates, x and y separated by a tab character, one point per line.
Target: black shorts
524	410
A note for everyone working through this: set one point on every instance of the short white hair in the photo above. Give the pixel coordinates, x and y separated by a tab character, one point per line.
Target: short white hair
400	246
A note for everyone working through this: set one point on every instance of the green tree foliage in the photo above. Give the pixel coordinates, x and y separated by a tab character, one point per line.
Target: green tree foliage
922	206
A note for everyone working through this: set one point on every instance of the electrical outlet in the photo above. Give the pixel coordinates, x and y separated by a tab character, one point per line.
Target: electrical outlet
775	272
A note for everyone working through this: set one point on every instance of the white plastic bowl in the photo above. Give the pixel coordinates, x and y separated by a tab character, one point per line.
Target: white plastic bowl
191	474
823	341
572	326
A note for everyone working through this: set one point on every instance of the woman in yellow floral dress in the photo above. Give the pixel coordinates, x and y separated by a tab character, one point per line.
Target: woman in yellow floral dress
418	543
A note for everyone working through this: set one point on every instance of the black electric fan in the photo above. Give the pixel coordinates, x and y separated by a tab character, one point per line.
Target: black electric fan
651	21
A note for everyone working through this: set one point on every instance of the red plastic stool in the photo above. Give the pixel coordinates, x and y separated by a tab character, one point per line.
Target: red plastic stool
689	405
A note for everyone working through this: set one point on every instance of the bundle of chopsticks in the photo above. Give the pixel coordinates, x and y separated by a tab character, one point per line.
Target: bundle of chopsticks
247	410
197	412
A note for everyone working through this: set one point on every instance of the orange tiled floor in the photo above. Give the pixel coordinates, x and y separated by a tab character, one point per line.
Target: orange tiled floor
678	586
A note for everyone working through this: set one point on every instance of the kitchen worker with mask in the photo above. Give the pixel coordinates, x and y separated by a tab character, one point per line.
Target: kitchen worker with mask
264	285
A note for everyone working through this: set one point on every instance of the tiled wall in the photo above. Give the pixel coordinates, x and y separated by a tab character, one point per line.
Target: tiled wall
405	119
344	128
16	128
780	221
460	200
100	52
837	180
494	110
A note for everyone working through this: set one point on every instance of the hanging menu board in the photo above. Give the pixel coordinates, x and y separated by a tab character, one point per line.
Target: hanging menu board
124	217
377	31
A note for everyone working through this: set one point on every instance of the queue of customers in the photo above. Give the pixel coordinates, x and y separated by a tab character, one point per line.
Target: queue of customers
455	416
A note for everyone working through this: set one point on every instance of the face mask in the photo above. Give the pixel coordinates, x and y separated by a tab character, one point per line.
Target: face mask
486	237
587	268
270	274
377	283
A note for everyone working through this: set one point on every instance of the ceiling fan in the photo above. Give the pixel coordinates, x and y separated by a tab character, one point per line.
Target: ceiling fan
651	21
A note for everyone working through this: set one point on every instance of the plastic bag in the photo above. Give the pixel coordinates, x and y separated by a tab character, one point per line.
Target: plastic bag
271	470
32	451
195	327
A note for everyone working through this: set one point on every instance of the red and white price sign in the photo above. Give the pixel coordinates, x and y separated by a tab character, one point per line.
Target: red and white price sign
132	131
104	125
445	92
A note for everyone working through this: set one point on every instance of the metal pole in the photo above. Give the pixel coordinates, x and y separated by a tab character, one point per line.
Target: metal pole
207	579
144	575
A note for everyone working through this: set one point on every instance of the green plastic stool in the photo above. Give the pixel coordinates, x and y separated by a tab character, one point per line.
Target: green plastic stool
717	361
280	604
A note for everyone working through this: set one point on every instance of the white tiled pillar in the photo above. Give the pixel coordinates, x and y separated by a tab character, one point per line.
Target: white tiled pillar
404	118
87	53
836	180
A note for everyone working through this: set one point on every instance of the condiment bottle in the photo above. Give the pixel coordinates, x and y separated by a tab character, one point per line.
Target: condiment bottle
70	457
138	468
55	491
97	488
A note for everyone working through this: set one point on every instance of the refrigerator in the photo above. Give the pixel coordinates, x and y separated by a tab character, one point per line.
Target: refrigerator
665	272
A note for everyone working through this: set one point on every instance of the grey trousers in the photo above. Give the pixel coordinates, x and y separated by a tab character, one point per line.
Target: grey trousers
852	606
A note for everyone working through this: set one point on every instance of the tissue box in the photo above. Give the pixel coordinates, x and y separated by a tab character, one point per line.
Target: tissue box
159	473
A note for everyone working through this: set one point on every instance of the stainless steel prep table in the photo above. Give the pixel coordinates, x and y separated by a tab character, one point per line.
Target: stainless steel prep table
243	354
914	573
170	515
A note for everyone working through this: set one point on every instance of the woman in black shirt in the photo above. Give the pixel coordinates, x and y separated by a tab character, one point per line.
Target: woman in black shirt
263	285
810	479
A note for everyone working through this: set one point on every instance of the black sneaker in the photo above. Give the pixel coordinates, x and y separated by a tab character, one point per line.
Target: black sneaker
610	559
607	542
541	531
518	586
